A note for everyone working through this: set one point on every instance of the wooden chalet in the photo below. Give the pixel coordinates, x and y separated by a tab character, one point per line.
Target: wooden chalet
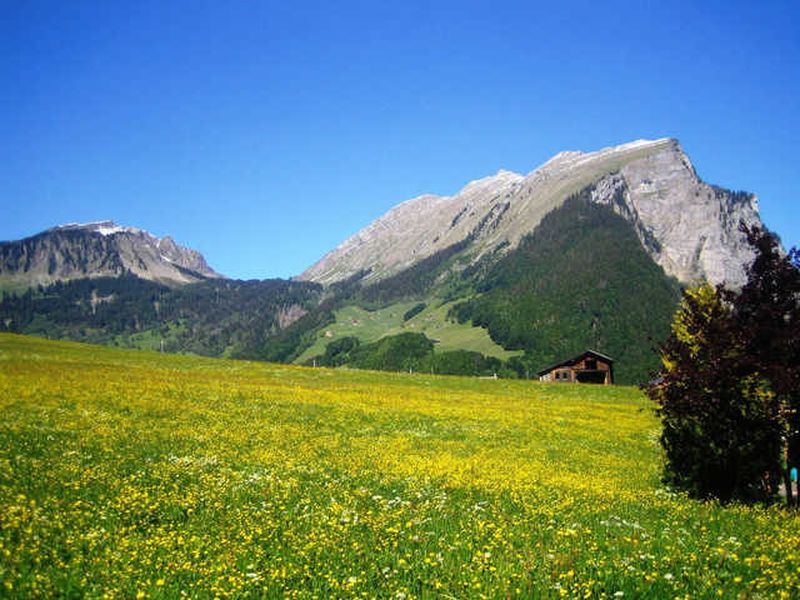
589	367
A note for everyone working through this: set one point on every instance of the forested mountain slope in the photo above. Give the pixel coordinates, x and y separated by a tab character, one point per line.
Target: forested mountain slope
213	318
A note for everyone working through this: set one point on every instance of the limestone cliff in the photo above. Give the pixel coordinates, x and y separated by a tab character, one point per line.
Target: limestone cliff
690	228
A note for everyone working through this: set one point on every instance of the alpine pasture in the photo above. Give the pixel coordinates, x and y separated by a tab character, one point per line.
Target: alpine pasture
129	474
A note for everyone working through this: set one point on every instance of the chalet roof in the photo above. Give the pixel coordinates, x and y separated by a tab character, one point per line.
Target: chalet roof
575	359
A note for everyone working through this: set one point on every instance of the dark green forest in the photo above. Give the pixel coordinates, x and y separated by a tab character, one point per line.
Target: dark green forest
580	280
408	352
213	318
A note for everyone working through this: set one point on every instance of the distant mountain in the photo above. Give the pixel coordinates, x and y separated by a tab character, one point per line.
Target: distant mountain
109	284
102	249
509	275
688	227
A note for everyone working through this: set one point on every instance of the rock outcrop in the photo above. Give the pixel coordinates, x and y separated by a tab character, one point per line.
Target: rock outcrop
689	227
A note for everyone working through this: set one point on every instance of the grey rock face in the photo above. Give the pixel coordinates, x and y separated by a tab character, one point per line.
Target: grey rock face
689	228
695	226
414	230
102	249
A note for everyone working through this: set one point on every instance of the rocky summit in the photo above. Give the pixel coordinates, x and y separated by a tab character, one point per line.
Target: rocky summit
102	249
688	227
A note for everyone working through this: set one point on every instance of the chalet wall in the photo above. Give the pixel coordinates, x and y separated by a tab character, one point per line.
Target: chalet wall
583	368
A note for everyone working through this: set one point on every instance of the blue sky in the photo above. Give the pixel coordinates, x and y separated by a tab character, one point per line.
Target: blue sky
264	133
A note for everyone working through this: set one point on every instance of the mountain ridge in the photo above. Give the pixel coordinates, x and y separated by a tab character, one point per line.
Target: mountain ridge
100	249
641	179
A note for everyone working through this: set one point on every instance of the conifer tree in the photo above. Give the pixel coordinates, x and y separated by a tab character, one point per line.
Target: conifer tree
720	432
728	392
767	311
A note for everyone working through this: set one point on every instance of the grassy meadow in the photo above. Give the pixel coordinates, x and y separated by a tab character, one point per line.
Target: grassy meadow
371	325
129	474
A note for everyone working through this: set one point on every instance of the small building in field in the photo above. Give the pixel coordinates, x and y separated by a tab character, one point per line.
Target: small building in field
589	367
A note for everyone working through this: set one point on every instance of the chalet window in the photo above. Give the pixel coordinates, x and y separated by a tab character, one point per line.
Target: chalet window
591	364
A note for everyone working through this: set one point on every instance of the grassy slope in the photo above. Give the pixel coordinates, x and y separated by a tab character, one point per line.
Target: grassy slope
133	473
369	326
8	286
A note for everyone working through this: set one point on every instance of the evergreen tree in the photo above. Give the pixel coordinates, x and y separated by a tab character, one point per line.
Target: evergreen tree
767	311
721	435
729	388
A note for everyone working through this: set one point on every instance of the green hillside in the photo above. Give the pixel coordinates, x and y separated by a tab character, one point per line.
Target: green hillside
143	475
214	318
371	325
580	280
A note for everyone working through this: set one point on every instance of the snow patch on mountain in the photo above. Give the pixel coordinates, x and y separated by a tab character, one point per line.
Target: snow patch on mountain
100	249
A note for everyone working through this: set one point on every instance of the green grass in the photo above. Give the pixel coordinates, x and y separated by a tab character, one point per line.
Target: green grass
150	339
13	287
133	474
450	335
369	326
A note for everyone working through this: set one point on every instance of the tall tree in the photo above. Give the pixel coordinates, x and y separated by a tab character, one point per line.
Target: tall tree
721	435
729	387
767	310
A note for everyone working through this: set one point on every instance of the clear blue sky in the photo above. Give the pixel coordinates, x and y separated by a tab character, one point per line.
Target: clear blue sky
264	133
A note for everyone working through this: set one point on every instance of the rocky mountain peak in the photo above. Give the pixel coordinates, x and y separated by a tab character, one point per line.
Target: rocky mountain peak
100	249
101	227
690	228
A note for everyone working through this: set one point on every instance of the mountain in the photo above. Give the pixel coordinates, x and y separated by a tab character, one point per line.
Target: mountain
688	227
589	250
109	284
102	249
512	273
581	279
